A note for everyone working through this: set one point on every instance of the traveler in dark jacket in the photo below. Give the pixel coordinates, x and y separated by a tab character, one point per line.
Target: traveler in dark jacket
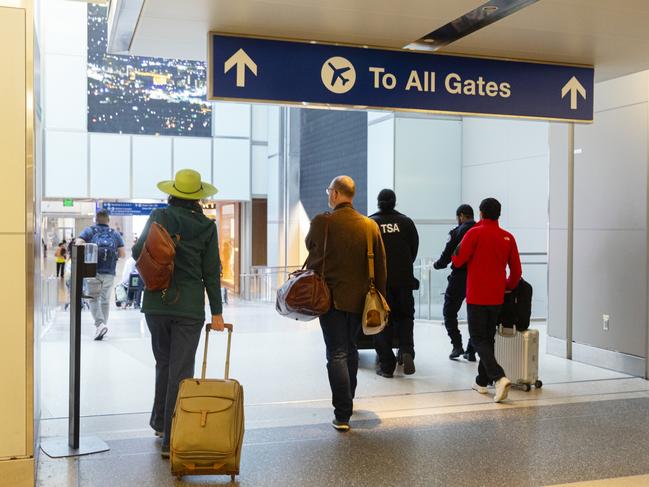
347	275
401	242
487	251
176	317
456	289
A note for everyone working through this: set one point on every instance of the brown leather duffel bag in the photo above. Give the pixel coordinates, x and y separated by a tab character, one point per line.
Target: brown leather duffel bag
305	295
156	261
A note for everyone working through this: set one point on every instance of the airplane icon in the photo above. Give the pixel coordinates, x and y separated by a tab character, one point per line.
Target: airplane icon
338	74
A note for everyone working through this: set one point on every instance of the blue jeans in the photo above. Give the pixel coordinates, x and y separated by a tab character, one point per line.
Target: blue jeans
174	341
340	330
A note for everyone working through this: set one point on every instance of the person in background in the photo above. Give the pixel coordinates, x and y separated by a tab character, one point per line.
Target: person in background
176	317
60	255
487	251
401	242
456	289
110	248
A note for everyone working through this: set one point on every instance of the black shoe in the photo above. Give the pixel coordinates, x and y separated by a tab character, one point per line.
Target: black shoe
342	426
387	375
408	364
456	352
470	356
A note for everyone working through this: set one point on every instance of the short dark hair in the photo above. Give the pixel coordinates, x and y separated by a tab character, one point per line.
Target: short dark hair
490	208
387	199
102	216
465	210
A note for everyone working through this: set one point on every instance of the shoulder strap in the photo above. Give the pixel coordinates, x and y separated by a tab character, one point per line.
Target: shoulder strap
370	250
324	247
164	221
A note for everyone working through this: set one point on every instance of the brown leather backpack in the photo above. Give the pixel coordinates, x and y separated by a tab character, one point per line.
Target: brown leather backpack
156	261
305	295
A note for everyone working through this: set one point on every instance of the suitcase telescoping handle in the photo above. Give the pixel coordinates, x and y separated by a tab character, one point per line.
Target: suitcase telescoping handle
208	327
502	333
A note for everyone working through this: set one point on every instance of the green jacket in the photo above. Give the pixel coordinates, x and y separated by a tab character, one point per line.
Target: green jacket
197	267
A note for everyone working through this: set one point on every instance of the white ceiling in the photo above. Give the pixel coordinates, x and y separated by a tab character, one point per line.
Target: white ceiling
613	35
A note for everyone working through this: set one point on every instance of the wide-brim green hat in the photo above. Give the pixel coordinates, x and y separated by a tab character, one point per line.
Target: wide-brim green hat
187	185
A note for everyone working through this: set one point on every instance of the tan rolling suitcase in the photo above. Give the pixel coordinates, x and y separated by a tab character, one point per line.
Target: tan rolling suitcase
517	352
207	427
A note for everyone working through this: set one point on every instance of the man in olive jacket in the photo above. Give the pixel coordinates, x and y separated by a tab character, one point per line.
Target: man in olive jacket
346	272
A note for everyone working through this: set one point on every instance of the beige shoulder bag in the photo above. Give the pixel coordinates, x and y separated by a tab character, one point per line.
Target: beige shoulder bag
376	312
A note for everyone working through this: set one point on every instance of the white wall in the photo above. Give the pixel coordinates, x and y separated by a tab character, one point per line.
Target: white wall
509	160
380	155
428	177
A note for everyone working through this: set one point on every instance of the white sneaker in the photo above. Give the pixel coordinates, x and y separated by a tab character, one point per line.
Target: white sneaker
100	331
502	389
478	388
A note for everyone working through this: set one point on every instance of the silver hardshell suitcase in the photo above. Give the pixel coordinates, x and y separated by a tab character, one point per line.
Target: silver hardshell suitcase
518	354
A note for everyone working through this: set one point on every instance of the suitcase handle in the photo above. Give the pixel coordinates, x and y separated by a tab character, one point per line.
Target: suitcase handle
508	334
208	327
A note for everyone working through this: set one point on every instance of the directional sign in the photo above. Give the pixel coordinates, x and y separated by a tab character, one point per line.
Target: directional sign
125	208
298	72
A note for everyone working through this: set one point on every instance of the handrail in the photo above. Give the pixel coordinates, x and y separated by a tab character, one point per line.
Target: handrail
260	284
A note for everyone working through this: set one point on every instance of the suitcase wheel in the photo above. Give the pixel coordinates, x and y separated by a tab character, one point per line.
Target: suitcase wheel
527	387
538	384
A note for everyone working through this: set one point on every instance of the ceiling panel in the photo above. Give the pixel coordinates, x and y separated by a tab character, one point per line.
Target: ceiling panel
610	34
382	23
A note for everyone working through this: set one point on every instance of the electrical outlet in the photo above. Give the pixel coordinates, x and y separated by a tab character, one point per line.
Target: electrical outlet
605	320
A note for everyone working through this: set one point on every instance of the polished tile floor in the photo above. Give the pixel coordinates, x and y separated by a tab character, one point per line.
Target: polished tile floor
418	427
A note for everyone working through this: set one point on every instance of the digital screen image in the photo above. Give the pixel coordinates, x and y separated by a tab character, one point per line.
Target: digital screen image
143	95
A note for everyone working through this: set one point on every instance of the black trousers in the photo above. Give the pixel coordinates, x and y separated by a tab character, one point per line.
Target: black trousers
453	298
174	341
402	321
60	269
340	331
483	321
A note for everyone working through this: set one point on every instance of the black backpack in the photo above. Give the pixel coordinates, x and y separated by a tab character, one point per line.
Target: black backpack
517	308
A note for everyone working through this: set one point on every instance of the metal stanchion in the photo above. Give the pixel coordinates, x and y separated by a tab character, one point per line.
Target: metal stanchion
84	264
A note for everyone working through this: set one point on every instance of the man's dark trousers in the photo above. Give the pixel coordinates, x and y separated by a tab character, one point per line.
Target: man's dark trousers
340	330
402	320
174	341
483	321
453	298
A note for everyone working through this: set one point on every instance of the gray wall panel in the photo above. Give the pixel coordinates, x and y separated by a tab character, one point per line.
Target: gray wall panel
610	278
558	175
557	256
611	171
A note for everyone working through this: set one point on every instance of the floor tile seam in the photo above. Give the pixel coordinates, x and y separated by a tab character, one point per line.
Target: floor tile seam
360	399
469	408
420	394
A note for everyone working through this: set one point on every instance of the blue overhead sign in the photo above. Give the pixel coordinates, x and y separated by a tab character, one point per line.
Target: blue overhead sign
296	72
123	208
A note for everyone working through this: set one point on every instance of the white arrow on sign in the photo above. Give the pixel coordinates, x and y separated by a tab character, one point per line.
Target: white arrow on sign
573	87
241	60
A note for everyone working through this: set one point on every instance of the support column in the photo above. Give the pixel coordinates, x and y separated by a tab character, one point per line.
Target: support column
17	241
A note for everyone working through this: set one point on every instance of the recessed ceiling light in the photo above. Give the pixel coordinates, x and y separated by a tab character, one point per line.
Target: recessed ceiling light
489	9
429	40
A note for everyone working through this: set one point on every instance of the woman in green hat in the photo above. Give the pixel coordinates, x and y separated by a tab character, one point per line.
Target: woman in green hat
176	317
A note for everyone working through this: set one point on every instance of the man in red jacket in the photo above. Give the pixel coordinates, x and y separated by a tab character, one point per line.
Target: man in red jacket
487	250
